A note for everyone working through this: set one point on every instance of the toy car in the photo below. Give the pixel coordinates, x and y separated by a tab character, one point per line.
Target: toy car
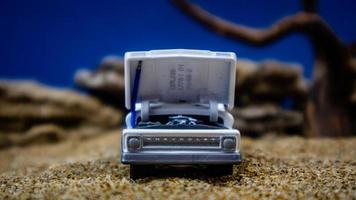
179	101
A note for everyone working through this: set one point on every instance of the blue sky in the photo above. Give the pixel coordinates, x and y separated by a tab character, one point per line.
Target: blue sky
49	40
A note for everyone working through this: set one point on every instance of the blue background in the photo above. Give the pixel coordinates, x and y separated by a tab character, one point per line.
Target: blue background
48	40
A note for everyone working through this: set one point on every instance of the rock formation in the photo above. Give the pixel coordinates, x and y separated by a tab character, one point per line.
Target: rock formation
106	82
31	113
257	120
269	82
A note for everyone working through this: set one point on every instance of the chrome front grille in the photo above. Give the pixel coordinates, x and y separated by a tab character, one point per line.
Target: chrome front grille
179	142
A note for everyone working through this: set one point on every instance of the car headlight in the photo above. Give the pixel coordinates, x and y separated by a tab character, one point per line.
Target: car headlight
229	144
133	143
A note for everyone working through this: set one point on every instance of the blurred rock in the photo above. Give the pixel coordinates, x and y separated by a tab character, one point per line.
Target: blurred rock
40	134
5	141
262	89
47	114
269	82
258	120
106	82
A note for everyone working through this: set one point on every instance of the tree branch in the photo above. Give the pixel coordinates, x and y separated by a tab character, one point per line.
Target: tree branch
303	22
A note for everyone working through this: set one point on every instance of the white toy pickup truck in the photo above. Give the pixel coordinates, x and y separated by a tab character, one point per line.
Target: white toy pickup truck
178	101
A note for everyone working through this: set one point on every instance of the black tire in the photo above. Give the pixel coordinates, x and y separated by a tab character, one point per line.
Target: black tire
220	170
141	171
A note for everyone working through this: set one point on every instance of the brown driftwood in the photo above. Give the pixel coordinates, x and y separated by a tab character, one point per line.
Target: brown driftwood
330	109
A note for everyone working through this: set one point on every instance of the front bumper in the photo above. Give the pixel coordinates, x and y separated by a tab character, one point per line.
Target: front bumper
181	158
176	152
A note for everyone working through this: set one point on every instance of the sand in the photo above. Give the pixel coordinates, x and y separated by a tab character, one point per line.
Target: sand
273	167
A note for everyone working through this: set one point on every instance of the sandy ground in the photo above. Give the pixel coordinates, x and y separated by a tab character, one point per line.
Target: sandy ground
274	167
